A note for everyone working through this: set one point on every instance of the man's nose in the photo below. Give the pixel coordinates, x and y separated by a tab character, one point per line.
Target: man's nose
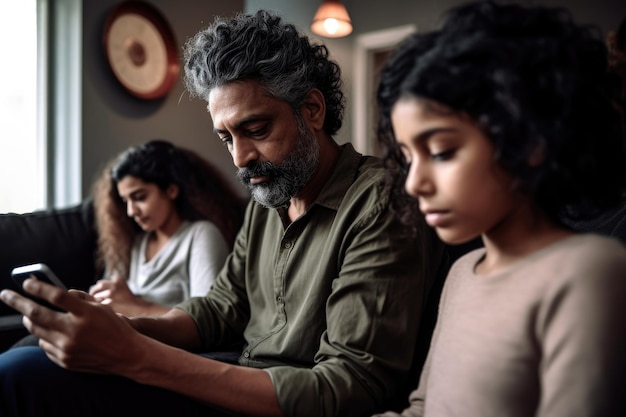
243	152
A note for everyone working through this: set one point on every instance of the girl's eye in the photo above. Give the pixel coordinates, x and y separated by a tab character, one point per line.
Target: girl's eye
226	140
442	156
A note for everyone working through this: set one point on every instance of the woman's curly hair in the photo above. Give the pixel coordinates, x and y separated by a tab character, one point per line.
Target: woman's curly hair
538	86
261	47
204	194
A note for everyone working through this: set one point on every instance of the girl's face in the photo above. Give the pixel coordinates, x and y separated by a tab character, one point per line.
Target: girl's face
148	205
462	191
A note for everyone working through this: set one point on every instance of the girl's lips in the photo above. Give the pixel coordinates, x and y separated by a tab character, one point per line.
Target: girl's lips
437	218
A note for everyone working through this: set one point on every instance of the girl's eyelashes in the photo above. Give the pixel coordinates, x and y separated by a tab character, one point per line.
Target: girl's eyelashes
442	156
139	195
435	155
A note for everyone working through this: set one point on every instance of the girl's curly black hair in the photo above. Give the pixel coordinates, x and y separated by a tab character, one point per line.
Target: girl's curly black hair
537	84
263	48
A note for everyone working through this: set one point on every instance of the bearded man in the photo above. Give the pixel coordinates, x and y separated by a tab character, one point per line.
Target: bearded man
321	294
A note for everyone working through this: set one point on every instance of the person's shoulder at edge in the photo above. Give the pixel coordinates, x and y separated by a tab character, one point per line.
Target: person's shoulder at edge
591	251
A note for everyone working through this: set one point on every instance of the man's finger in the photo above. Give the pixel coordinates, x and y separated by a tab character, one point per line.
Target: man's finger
82	295
17	302
56	296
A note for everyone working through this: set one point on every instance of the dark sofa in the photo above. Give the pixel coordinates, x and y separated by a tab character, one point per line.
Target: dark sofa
64	239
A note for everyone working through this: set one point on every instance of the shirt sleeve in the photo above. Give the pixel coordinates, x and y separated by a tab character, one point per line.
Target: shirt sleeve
221	317
372	315
418	396
207	254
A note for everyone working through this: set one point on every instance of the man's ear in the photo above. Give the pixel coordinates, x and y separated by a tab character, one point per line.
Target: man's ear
314	109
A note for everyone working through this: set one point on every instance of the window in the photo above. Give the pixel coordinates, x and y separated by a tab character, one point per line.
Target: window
22	153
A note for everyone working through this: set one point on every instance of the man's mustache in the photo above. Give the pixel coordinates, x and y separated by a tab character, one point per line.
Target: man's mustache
257	169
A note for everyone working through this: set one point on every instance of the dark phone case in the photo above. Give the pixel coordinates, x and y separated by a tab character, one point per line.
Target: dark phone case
41	272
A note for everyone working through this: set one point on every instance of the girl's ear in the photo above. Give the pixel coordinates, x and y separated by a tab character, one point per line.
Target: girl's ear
314	109
537	156
172	191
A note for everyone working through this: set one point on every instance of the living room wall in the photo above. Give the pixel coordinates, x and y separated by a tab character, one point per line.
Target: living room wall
112	120
369	16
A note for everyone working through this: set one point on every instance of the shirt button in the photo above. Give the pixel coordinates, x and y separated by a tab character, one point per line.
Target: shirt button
279	299
246	354
287	245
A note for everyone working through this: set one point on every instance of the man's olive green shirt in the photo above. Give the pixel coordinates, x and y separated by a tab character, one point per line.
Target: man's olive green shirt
328	305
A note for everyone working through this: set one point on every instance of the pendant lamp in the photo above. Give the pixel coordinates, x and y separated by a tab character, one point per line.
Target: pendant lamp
331	20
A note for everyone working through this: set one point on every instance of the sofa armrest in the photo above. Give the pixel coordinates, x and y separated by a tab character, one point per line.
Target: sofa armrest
11	330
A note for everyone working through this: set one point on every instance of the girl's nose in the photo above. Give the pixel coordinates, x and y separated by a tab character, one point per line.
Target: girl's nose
418	182
131	210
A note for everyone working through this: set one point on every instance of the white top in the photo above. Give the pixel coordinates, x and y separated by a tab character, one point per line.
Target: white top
185	267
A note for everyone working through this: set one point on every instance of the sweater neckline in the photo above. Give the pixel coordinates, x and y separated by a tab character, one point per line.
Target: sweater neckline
480	254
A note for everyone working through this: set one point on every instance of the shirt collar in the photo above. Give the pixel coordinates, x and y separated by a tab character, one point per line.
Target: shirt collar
337	185
341	179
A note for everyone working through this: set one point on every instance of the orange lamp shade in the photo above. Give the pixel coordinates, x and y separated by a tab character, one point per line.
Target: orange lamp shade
332	20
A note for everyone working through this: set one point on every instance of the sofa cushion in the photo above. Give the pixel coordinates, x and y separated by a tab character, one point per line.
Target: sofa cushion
64	239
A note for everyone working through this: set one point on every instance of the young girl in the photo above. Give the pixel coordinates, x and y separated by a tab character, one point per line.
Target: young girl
166	221
500	125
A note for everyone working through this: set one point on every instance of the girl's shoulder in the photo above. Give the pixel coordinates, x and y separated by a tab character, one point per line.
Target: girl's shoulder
591	247
201	227
586	261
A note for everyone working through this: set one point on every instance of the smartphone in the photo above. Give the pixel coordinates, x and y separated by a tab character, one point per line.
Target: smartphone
41	272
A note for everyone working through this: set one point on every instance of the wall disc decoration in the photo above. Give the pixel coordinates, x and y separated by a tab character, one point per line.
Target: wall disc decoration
141	50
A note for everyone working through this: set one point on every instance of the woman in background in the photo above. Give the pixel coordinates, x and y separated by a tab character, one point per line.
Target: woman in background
166	221
501	125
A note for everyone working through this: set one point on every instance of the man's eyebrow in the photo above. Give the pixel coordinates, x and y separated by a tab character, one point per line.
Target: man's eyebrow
244	122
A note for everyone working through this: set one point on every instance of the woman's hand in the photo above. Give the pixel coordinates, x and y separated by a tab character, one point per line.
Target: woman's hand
107	291
115	293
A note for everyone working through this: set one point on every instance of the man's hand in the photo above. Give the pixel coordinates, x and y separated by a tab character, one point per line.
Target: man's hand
87	337
90	337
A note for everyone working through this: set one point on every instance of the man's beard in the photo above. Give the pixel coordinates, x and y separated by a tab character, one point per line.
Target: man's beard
287	178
